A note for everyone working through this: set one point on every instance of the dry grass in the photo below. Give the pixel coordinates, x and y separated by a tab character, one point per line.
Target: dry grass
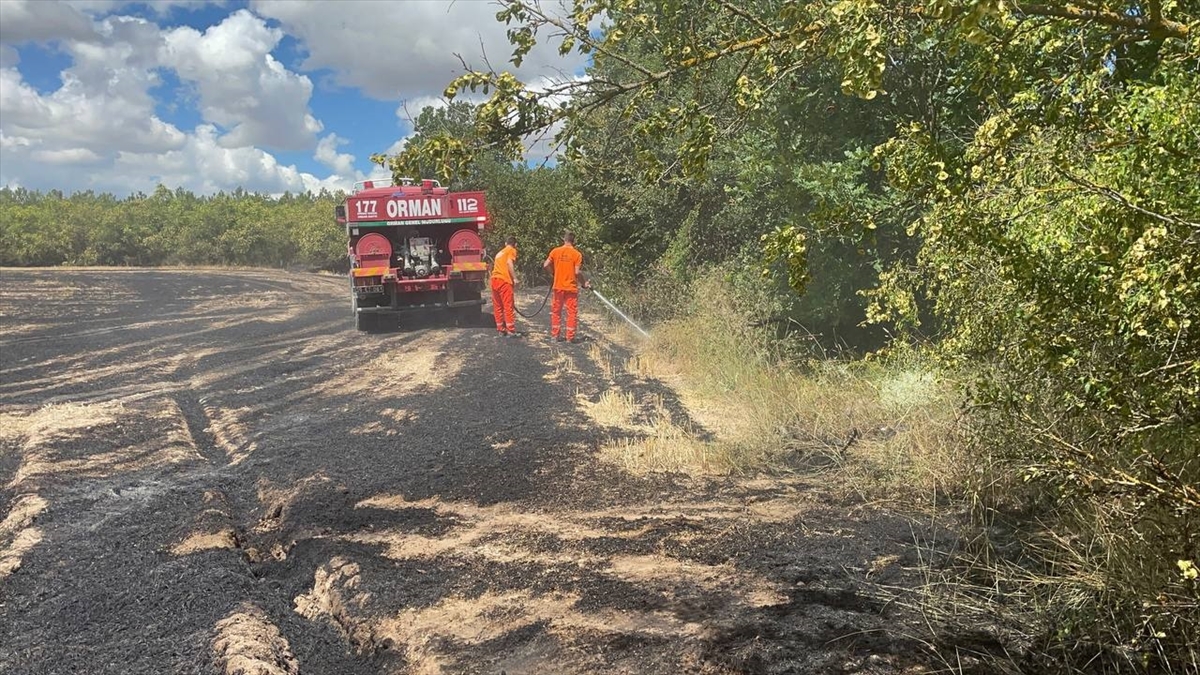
615	408
423	364
562	367
247	643
669	448
889	427
892	429
205	541
602	359
36	437
230	432
45	429
432	636
17	532
57	420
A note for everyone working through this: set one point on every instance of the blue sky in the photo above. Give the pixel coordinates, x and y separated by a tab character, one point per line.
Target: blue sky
270	95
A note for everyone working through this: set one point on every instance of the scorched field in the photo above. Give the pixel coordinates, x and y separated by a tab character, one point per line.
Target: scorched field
212	472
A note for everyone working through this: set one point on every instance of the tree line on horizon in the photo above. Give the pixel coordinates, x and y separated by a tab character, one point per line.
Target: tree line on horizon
170	227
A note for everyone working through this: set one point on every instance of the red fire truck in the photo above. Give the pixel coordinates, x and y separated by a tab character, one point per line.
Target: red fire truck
414	246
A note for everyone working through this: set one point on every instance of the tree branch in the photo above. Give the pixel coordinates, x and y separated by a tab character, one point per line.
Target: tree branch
578	35
733	48
1155	26
738	11
1113	195
1156	11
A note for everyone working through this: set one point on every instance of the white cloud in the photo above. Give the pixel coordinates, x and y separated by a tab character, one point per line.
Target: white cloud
104	102
100	126
41	21
159	7
410	109
397	147
395	50
541	148
65	156
341	163
200	165
12	142
241	86
204	165
9	58
100	129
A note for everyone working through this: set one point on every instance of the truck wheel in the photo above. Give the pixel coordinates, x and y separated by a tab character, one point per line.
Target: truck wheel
364	322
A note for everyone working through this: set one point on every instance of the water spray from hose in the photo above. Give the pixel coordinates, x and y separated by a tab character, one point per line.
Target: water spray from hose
620	313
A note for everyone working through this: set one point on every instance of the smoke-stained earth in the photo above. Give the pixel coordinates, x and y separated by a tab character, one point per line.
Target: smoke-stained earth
210	471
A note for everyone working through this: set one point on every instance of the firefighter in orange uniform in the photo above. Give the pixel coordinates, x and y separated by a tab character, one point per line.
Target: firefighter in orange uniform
504	278
566	261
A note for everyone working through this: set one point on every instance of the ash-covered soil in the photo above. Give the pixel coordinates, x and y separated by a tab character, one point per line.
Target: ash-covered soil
212	472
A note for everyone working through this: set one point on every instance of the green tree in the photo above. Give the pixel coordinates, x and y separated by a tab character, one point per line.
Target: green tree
169	227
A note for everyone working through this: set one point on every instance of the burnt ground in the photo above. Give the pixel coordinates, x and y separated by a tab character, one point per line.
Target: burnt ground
210	471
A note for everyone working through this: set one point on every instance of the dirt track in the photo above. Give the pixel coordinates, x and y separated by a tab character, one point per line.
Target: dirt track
211	472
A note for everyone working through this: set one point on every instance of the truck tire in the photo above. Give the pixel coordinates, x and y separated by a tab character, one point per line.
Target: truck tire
365	321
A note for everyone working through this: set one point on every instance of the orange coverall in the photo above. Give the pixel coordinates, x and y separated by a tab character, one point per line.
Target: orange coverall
502	290
566	260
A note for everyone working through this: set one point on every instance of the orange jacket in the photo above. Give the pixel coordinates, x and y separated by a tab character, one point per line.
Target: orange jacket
566	260
501	269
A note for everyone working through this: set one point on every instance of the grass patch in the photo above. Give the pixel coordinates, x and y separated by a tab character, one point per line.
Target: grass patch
669	448
890	427
615	408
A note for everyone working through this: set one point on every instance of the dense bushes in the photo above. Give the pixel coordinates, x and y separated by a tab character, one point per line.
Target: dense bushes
1061	248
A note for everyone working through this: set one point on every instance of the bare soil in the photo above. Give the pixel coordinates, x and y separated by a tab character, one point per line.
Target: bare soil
212	472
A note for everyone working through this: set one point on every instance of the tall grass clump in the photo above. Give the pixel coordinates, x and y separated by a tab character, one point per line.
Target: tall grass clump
889	426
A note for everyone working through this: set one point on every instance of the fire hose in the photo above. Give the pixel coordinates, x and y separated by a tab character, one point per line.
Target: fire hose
603	299
542	306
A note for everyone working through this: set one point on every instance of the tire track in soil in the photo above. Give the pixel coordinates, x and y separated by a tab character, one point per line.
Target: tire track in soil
103	592
249	639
